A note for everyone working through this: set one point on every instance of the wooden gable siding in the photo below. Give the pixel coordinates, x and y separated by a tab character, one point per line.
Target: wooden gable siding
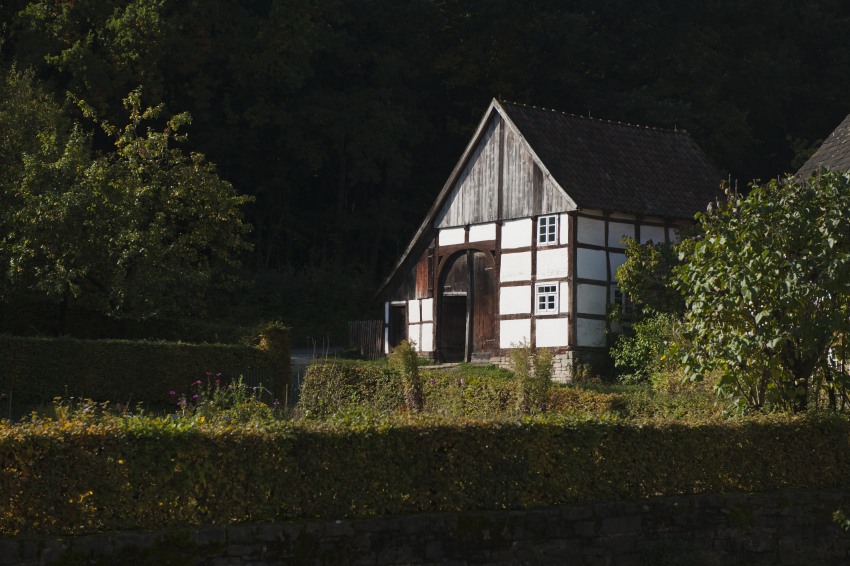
473	197
501	158
413	280
526	191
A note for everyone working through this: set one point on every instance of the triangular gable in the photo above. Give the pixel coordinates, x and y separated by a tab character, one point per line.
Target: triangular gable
474	179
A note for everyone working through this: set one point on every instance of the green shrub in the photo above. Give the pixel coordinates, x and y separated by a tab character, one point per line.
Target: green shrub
648	349
35	370
533	373
349	386
470	391
405	363
85	475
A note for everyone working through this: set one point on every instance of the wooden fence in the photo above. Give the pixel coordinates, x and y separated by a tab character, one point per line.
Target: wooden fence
367	336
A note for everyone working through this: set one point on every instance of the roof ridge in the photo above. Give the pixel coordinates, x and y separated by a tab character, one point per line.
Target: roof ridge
614	122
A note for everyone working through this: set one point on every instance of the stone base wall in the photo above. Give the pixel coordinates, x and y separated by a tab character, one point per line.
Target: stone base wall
788	528
569	365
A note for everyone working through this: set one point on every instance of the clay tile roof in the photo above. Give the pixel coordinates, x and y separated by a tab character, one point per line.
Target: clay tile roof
833	154
614	166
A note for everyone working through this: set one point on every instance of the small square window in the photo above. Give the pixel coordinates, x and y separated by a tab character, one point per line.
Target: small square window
547	230
546	298
623	302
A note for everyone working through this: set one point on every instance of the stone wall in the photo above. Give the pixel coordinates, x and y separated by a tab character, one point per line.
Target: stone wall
770	528
565	365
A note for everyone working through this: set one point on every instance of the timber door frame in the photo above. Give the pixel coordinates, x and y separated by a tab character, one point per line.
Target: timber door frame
445	256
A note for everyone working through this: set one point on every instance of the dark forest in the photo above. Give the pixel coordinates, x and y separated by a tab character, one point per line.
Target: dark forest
343	119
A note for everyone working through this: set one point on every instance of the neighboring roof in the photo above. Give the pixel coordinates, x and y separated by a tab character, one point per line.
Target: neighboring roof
614	166
833	154
599	164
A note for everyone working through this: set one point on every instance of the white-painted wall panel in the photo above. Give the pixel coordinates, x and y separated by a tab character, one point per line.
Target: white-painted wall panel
591	231
564	303
451	236
482	232
590	332
387	312
590	264
552	264
427	310
516	267
564	229
413	312
654	233
551	332
514	332
616	261
427	338
516	233
617	231
515	300
591	299
414	335
386	339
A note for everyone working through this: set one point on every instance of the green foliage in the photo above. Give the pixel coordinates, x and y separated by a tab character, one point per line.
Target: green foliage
646	276
38	369
82	475
346	387
405	363
533	373
649	348
767	289
479	392
141	231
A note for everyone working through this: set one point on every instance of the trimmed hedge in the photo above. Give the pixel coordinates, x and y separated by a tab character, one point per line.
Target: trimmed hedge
75	476
37	369
467	391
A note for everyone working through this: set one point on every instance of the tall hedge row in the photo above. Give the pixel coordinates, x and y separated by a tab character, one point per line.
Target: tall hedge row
77	477
34	370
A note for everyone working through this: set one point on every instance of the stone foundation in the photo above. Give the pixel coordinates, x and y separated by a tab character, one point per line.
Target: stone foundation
569	365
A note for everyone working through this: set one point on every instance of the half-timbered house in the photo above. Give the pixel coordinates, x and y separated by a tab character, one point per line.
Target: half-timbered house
523	242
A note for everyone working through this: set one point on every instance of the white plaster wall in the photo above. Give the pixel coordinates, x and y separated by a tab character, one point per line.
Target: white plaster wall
564	229
514	332
516	267
515	300
617	231
591	231
654	233
427	341
590	332
674	235
414	335
590	264
386	339
413	312
616	261
516	233
427	310
591	299
552	264
551	332
451	236
387	312
482	232
564	298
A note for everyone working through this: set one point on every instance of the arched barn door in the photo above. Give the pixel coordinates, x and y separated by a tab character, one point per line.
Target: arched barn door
466	321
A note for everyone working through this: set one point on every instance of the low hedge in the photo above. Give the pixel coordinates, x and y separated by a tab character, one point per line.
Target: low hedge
66	477
37	369
466	391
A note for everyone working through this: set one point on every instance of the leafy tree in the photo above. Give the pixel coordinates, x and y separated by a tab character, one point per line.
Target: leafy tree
768	289
144	230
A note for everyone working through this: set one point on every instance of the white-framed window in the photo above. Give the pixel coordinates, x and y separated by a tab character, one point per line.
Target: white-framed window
547	230
621	300
546	298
